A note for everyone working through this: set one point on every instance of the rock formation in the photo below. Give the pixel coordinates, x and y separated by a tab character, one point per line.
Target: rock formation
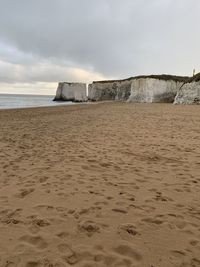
146	89
152	90
109	90
71	92
189	93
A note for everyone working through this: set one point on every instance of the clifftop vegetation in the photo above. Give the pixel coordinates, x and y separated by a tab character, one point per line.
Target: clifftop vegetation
164	77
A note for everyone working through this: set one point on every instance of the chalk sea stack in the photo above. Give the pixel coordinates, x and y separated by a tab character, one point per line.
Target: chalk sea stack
75	92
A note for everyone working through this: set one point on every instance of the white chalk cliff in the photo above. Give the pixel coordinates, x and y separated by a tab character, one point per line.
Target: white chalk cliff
151	90
109	90
71	92
189	93
140	89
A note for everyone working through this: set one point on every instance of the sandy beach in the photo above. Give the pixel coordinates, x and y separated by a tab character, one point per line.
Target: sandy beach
110	184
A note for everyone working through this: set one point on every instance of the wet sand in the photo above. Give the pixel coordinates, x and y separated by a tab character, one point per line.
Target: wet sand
109	184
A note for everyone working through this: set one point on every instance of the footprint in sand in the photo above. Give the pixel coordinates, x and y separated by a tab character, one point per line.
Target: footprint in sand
41	222
71	211
19	249
46	210
33	264
36	241
90	264
10	216
120	210
89	228
152	221
11	262
101	203
180	224
43	179
127	229
194	242
44	263
71	257
63	235
178	254
24	192
34	229
160	197
195	262
65	249
126	249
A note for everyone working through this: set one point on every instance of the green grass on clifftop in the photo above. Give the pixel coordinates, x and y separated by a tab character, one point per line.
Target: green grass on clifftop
165	77
195	78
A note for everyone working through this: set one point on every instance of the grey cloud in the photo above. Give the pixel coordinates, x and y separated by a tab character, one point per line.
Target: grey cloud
44	72
11	54
113	37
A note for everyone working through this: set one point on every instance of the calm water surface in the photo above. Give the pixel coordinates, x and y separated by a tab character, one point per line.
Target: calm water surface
8	101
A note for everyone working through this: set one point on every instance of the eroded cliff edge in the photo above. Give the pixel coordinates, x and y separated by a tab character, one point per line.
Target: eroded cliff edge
189	92
75	92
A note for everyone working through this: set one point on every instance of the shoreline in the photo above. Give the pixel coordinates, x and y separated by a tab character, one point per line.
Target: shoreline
134	104
60	105
74	104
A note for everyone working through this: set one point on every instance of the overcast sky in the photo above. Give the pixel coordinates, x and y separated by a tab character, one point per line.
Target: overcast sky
43	42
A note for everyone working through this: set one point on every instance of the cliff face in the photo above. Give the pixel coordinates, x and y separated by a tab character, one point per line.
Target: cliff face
109	90
189	93
71	92
151	90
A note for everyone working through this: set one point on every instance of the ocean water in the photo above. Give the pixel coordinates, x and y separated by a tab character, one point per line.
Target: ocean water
8	101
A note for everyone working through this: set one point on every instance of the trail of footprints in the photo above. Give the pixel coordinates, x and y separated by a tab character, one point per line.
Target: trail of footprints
123	254
38	239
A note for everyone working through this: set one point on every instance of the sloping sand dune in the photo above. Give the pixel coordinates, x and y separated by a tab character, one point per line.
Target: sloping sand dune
109	184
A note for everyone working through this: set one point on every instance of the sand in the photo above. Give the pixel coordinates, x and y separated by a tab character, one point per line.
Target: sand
111	184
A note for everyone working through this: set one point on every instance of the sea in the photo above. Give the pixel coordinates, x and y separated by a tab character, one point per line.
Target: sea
11	101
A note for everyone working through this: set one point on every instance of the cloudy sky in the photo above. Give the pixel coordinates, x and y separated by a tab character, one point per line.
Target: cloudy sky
43	42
